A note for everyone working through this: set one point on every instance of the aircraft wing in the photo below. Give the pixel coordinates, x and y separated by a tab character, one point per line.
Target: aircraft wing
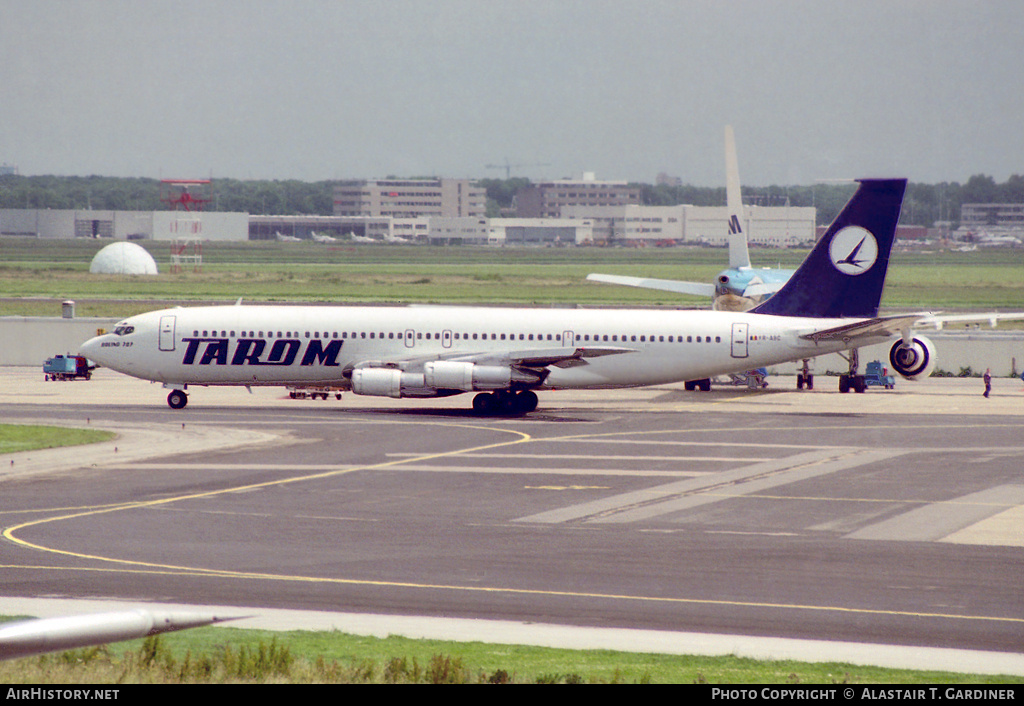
699	289
866	328
527	358
901	324
938	322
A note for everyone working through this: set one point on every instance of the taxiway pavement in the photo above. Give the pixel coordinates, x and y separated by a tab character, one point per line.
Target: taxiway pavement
882	523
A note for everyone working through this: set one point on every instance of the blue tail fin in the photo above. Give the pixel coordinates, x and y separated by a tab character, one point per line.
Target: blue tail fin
844	274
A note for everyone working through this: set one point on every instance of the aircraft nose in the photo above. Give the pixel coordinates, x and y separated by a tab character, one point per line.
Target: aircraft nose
92	349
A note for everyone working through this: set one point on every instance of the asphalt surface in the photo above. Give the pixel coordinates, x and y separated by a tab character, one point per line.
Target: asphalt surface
876	528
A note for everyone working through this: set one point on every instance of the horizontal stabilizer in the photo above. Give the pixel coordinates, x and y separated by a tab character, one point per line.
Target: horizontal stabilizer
698	289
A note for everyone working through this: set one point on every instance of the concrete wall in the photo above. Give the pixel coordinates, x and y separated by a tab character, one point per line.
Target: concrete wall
30	340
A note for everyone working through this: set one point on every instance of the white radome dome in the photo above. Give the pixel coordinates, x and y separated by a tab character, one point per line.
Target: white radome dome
123	259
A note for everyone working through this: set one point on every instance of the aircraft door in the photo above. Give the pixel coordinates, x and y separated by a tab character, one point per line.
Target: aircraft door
167	333
739	340
568	338
446	339
410	338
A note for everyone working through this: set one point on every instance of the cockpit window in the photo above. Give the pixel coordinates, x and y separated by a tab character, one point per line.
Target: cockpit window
123	330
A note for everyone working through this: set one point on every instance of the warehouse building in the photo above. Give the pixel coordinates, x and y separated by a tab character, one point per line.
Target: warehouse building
124	225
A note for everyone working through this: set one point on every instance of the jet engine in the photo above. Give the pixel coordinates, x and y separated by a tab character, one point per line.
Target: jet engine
388	382
440	378
915	361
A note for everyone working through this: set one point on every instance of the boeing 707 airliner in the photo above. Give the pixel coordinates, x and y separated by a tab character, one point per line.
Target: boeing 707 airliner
507	355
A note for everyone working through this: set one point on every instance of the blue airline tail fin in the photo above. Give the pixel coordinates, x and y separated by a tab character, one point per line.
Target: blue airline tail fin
844	274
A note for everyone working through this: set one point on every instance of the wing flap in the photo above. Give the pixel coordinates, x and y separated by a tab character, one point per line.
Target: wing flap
525	358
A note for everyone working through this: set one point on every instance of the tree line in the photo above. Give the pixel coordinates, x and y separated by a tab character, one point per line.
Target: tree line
924	204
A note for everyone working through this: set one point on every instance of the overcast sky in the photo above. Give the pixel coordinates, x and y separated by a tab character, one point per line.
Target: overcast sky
327	89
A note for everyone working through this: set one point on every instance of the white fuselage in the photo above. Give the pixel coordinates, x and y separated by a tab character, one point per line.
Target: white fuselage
280	345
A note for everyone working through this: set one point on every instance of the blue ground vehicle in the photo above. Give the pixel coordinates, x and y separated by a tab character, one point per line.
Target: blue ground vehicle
875	374
67	367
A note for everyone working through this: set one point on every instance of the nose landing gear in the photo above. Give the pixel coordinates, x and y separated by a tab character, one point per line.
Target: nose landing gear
177	399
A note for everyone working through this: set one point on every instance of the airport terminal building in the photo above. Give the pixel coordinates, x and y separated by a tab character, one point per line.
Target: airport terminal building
440	211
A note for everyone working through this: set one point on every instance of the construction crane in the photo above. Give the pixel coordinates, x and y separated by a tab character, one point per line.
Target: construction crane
508	167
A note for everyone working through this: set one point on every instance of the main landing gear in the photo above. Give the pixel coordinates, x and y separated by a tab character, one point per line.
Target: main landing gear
505	402
177	399
704	385
852	380
805	377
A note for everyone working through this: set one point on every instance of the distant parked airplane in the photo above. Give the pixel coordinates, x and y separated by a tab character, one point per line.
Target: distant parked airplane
282	238
740	286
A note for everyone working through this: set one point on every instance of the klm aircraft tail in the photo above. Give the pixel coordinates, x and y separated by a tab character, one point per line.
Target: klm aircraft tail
739	255
844	274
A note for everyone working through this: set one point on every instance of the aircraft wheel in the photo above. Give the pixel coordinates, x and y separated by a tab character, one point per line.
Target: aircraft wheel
799	381
484	403
844	383
506	403
810	382
526	401
177	399
704	385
